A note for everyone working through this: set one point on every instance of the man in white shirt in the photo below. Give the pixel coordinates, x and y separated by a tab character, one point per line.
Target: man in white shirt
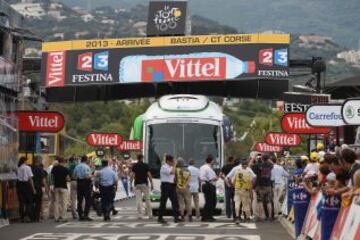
168	189
208	179
278	175
25	190
194	185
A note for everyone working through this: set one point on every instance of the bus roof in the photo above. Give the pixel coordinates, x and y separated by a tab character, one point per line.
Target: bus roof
184	106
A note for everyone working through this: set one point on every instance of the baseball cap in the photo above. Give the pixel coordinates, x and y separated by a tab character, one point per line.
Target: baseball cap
304	158
314	156
320	146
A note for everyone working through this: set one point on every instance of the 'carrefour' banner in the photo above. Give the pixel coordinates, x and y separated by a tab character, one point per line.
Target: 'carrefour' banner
165	59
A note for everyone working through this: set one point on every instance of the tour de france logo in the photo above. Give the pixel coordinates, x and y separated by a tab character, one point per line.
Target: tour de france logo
349	112
167	18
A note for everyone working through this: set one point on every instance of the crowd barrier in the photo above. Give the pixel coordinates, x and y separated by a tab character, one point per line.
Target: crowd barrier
8	199
322	217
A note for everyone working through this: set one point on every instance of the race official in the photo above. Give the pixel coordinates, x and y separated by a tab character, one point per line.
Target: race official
208	179
82	174
168	189
107	184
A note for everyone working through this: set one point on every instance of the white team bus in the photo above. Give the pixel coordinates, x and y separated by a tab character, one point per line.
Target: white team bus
184	126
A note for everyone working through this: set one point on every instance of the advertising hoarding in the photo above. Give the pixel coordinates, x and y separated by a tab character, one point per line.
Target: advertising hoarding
51	122
165	59
297	102
130	145
104	139
296	123
264	147
166	18
283	139
351	111
322	115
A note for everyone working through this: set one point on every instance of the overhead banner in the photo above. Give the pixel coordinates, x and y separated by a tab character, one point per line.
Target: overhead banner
165	59
324	115
295	123
351	111
166	18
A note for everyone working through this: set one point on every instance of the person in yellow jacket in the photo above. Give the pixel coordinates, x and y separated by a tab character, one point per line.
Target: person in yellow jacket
242	182
182	179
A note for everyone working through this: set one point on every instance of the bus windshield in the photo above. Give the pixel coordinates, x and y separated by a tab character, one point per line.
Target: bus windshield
182	140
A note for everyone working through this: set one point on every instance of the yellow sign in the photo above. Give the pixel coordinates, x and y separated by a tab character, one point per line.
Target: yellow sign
166	41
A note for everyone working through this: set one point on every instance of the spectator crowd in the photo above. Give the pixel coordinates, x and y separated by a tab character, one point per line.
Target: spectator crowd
254	187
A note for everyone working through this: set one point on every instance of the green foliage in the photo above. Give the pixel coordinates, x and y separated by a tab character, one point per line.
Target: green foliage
257	118
83	118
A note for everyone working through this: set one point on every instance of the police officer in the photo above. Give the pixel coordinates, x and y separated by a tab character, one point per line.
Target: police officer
208	179
107	185
168	189
82	174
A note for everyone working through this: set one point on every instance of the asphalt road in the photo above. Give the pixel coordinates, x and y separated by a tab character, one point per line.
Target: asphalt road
126	226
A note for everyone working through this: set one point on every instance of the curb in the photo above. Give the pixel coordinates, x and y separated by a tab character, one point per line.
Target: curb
289	227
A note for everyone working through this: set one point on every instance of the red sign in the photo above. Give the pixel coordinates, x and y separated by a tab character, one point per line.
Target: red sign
264	147
40	121
296	123
131	145
181	69
55	72
104	139
283	139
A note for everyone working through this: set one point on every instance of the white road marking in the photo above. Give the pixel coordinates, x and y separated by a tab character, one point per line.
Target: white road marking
192	225
96	236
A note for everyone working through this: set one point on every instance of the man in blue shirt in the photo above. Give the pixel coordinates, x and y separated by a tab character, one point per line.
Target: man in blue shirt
82	174
107	185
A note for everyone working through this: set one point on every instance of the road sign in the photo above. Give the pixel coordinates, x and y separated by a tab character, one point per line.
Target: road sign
104	139
130	145
324	115
264	147
295	123
283	139
51	122
351	111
